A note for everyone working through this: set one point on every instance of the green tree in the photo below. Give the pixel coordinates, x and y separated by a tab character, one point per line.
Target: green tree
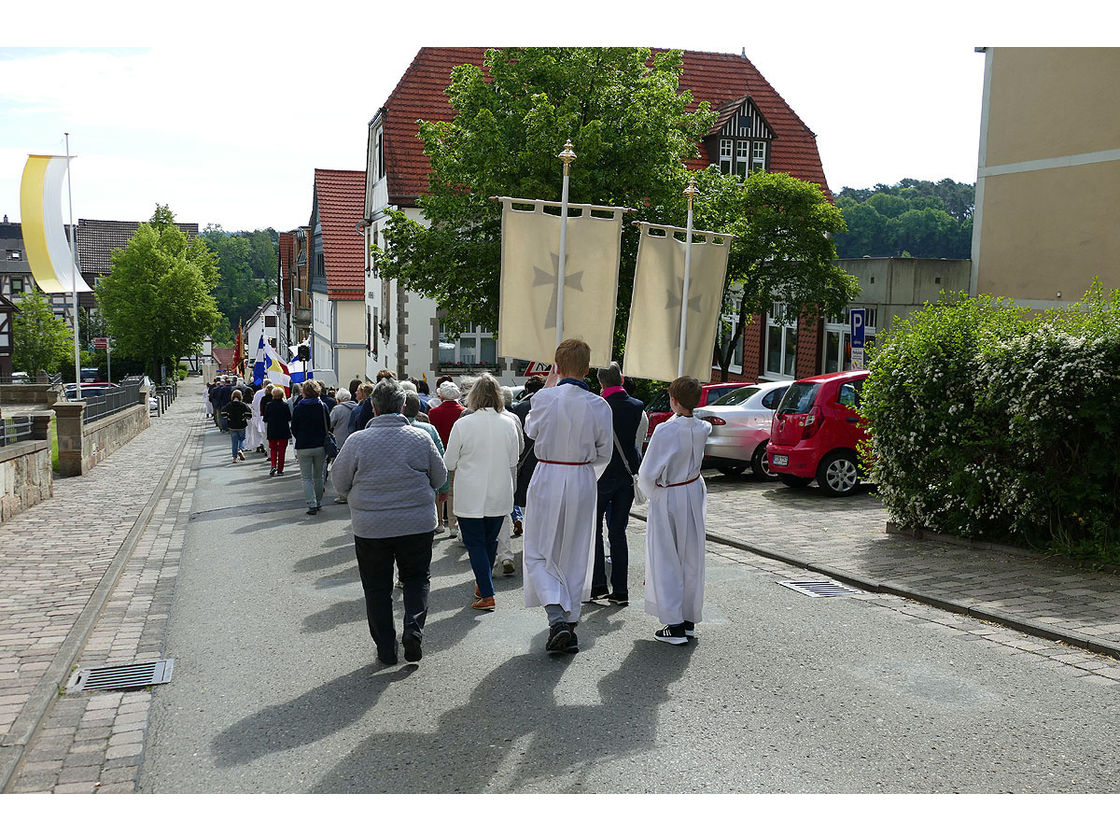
40	341
246	270
627	122
783	252
910	218
157	299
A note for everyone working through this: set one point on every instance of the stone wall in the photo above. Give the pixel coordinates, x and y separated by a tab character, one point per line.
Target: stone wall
83	446
25	476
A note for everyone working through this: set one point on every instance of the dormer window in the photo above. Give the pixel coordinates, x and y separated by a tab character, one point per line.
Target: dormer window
744	139
725	159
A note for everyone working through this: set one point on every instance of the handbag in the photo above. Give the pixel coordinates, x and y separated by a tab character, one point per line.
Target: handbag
639	497
330	445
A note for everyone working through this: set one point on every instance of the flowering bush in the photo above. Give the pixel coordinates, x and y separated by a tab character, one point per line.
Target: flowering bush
988	425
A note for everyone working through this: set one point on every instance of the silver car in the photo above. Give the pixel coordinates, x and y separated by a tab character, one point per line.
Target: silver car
741	429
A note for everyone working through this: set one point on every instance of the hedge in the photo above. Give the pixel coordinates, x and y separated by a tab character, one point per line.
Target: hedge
989	424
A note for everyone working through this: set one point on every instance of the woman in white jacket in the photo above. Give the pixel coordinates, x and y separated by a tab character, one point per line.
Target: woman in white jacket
482	450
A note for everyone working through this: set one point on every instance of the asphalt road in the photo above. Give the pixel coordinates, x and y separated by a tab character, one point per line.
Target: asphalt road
276	687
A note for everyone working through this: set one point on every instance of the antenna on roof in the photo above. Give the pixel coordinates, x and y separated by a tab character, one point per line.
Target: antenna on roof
744	52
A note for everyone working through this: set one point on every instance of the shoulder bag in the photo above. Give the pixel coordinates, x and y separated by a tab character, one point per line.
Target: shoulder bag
330	445
639	496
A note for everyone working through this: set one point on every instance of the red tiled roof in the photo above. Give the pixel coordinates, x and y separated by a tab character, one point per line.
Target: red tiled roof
340	194
224	357
716	78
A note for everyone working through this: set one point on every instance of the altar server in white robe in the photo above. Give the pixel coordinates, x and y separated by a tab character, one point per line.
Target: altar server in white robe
254	433
670	477
574	442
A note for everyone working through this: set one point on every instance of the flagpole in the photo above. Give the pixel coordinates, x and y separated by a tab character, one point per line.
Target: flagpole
73	273
567	156
690	193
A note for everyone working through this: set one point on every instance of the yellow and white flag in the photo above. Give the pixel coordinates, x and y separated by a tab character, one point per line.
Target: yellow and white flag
44	235
653	334
530	266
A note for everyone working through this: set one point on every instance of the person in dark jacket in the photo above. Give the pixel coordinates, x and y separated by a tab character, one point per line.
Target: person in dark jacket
237	416
528	460
616	487
310	422
278	428
220	398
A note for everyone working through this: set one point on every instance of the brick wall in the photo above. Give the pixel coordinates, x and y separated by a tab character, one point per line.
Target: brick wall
810	331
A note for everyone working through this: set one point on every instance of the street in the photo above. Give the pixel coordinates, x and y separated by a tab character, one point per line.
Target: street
276	687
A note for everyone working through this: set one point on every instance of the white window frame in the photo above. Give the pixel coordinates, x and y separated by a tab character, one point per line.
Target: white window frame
475	336
778	317
726	163
758	156
742	157
841	327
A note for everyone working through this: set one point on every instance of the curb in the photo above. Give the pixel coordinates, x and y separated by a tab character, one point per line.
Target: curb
902	590
24	727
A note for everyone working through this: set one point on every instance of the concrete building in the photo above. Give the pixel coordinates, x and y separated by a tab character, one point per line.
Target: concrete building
1048	177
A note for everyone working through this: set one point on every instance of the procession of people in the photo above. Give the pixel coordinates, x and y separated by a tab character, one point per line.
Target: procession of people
564	464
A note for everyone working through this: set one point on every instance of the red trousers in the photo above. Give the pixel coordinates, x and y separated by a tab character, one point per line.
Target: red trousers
276	450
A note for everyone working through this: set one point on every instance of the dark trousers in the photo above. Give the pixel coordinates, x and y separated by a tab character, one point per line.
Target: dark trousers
412	554
615	506
480	536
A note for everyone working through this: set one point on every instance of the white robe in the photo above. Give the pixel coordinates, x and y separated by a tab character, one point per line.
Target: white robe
675	528
569	424
255	431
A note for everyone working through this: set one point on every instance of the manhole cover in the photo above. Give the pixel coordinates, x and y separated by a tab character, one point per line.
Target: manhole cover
819	588
121	677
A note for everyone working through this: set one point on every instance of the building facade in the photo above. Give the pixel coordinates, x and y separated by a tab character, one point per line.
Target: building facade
1048	176
756	130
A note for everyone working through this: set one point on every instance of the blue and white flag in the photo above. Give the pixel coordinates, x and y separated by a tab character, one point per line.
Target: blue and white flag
297	370
267	365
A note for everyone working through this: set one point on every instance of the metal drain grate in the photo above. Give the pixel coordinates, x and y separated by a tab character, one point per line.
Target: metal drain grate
819	588
121	677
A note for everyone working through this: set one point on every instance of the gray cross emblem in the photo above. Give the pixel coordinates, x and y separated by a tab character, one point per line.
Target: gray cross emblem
674	302
543	278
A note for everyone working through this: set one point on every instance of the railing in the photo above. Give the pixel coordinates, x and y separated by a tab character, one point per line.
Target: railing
112	401
14	429
54	381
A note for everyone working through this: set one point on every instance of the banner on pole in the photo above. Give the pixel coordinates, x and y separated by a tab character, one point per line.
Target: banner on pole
653	333
44	235
530	265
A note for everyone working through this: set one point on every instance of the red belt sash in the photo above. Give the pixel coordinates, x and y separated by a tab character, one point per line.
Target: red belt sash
681	483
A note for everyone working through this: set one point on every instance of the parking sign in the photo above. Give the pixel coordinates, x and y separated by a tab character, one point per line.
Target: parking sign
857	319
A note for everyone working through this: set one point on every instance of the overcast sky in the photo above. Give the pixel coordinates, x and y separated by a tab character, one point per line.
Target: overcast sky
222	110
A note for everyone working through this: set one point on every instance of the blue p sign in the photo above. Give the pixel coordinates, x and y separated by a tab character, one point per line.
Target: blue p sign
857	320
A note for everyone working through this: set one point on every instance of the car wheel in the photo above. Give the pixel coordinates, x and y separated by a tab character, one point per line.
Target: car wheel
732	470
838	474
793	480
760	463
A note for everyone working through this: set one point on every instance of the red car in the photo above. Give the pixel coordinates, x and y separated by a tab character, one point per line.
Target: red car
815	432
658	410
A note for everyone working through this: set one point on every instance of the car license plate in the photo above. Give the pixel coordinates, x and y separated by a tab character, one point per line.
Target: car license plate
780	460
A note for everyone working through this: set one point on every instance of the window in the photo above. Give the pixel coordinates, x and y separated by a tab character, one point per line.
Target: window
838	340
380	155
659	403
320	265
270	321
726	331
742	154
17	285
15	255
772	399
758	158
848	397
725	147
736	397
474	347
781	342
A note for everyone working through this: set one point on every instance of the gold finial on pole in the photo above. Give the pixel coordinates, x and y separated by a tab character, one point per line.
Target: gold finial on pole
567	156
691	190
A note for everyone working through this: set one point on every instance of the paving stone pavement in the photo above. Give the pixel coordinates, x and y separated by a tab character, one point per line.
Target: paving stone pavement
847	538
56	569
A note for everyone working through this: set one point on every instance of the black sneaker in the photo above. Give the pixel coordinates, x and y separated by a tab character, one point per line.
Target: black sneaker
689	629
559	637
573	643
312	511
673	634
412	651
387	657
619	600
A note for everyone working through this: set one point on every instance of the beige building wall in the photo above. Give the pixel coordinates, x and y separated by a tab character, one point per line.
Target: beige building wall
1048	181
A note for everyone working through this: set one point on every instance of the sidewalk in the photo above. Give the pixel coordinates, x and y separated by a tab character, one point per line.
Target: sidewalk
846	539
70	586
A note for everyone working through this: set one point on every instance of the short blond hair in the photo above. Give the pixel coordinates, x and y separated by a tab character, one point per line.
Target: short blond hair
277	392
485	393
573	356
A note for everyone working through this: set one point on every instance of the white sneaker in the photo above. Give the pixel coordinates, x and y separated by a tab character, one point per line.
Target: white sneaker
454	533
440	529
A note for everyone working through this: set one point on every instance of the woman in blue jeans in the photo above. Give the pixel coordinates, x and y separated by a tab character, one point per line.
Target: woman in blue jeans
482	450
237	415
310	421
